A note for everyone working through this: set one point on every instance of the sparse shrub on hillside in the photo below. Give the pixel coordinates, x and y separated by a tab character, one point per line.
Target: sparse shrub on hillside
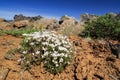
54	50
72	30
10	55
107	26
36	25
19	32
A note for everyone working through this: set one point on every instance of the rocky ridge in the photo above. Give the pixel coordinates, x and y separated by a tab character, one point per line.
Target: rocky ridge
22	17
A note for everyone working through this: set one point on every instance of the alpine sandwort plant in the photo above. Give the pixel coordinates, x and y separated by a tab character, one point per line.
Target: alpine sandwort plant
54	50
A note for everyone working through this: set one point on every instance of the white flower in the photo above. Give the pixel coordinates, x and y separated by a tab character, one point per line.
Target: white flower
25	34
31	43
44	48
33	54
45	61
28	38
57	43
64	42
55	62
68	62
66	55
46	53
24	52
37	52
55	58
45	43
19	60
62	48
36	35
58	54
67	46
56	65
51	45
61	60
54	55
39	39
55	52
43	56
62	54
71	51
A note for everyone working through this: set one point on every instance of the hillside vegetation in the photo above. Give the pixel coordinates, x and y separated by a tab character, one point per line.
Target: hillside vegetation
106	26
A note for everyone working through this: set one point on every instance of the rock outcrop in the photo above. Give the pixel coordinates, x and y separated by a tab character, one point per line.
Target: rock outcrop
46	23
115	49
84	18
4	24
21	17
20	24
67	21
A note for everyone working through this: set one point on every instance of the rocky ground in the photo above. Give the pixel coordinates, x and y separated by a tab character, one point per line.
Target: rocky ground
93	61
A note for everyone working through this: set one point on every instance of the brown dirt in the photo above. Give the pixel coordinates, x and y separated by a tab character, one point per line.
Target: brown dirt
93	61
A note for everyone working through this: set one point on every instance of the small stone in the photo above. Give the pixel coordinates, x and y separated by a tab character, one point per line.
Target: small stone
9	57
3	73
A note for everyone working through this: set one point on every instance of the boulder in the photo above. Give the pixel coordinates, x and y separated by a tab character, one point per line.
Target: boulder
115	48
53	24
21	17
21	24
66	17
67	21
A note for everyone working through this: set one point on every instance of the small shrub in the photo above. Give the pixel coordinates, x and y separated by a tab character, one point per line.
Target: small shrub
53	50
107	26
10	55
1	32
19	32
72	30
36	25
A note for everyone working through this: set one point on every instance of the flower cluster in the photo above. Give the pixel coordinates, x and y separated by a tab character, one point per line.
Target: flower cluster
54	50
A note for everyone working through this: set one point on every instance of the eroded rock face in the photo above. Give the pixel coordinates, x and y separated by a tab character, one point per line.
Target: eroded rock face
20	24
53	24
21	17
4	24
115	48
67	21
84	18
47	23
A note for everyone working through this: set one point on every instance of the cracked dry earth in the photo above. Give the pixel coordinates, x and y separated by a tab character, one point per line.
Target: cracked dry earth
93	61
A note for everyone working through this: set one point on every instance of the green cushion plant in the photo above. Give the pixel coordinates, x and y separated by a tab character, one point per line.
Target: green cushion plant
54	50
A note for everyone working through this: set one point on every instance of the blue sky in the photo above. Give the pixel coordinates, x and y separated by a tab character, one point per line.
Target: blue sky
57	8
